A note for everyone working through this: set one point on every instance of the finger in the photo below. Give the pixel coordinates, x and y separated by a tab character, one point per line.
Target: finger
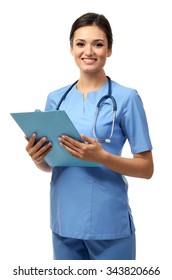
41	143
26	137
69	147
44	148
40	155
66	140
38	148
31	141
88	139
72	147
71	150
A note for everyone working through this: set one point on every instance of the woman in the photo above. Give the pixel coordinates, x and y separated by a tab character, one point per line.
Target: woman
90	213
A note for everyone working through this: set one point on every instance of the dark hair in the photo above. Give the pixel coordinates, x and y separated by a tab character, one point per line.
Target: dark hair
93	19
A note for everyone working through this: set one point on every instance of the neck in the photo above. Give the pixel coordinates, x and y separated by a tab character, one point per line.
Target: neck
91	82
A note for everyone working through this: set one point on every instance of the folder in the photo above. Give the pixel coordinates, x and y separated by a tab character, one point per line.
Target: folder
52	124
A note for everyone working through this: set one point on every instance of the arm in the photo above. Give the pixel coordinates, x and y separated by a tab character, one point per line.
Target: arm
37	152
141	165
43	166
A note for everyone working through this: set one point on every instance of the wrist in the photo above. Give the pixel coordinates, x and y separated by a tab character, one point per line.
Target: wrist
38	162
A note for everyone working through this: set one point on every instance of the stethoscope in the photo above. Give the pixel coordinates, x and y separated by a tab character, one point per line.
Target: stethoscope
105	97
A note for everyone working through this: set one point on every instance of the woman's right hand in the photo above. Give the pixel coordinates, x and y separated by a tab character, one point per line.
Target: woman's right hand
37	151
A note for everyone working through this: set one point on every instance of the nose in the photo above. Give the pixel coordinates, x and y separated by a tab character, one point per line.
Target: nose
88	50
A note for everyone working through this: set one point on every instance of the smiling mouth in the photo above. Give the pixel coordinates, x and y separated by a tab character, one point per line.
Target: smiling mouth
89	60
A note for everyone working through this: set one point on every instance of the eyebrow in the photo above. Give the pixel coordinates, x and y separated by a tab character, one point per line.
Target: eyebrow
96	40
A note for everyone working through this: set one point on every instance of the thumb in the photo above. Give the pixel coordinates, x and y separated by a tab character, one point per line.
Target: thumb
87	139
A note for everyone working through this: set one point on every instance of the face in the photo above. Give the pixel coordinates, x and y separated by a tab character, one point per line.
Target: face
90	49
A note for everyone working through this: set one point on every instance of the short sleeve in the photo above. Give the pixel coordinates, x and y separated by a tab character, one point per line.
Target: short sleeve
50	103
134	124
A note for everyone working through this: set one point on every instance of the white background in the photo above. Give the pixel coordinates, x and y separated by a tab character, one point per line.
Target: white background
34	60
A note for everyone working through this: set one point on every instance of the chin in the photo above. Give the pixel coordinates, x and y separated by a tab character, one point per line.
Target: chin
89	71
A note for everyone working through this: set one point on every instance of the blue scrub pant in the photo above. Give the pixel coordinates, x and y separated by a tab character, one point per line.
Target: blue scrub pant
77	249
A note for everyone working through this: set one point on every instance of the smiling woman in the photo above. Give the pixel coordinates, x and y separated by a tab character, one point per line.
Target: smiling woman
90	54
90	214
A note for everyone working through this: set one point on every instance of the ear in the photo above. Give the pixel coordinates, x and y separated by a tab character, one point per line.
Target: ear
109	52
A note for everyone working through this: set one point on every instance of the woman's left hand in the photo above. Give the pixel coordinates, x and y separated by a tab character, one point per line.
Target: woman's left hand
90	150
140	166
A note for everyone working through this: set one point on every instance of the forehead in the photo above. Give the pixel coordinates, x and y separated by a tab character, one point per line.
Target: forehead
92	32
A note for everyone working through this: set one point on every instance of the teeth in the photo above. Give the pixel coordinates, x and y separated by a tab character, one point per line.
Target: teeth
89	59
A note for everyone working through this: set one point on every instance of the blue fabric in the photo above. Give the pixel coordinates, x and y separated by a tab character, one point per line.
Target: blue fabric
92	203
77	249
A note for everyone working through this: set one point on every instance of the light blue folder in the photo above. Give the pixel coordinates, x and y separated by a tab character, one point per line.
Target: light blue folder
52	124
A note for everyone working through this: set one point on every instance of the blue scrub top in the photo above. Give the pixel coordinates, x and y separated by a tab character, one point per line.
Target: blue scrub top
92	202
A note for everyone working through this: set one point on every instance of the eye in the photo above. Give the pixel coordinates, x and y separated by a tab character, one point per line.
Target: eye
98	45
80	45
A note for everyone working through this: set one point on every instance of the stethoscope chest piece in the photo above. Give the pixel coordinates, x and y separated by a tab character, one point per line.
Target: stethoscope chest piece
98	107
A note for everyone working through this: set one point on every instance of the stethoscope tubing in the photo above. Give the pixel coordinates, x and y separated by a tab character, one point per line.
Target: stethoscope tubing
105	97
